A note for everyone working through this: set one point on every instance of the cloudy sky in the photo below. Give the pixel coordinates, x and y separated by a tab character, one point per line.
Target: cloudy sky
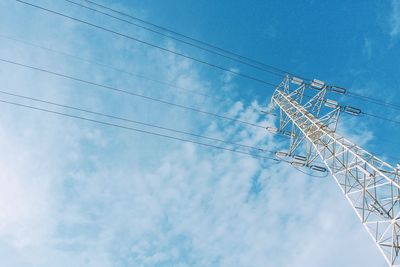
77	193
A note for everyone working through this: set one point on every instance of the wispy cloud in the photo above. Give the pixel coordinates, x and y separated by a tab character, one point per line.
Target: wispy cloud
367	49
270	31
395	19
75	194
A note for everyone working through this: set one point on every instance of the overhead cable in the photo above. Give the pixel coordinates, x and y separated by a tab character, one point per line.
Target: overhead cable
381	118
123	91
236	73
233	56
97	63
130	16
375	101
133	121
225	54
138	130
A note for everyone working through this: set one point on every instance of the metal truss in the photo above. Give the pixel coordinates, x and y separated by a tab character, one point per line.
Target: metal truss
371	185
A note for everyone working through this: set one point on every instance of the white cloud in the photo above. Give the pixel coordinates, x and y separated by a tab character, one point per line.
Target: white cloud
227	77
76	194
270	31
395	19
367	49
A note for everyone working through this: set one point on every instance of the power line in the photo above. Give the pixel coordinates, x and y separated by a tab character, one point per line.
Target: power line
374	101
362	112
134	121
131	93
377	101
381	118
162	48
139	130
160	100
236	58
243	75
97	63
188	37
310	174
239	58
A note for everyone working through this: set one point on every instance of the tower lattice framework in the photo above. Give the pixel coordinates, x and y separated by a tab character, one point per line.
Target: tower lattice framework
371	186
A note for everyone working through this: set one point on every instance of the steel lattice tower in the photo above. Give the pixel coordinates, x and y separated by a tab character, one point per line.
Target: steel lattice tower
370	185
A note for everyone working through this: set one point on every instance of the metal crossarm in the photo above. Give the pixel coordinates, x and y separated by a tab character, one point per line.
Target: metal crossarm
371	185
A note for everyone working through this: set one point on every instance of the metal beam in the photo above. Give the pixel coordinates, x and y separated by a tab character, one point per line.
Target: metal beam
371	186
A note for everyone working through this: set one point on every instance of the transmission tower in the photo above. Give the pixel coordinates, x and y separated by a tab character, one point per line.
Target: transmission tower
371	186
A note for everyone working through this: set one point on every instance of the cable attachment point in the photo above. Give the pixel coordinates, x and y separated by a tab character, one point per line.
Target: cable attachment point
352	110
317	84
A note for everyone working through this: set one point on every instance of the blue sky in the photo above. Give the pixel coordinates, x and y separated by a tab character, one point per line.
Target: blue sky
75	193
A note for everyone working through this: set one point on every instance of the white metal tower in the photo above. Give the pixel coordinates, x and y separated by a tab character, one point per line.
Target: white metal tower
371	186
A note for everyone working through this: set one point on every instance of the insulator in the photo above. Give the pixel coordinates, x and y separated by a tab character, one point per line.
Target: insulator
287	133
318	168
299	157
267	112
331	103
272	130
338	89
317	84
298	164
352	110
296	80
281	154
326	144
